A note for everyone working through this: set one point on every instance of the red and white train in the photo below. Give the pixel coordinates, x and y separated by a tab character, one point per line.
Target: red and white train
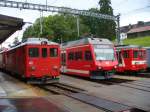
131	59
36	59
89	57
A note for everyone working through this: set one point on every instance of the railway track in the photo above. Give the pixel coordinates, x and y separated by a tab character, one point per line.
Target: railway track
61	88
81	95
138	75
112	81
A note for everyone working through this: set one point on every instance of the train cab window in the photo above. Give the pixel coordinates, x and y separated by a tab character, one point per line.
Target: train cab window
71	56
78	55
135	54
87	55
142	54
53	52
33	52
44	52
126	54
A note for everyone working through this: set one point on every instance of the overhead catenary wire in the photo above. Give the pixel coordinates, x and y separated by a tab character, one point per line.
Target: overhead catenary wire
143	9
121	3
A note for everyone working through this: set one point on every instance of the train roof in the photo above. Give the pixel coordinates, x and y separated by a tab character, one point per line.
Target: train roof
33	41
147	47
37	41
128	47
85	41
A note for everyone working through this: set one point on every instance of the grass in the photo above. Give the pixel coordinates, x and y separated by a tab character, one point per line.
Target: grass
142	41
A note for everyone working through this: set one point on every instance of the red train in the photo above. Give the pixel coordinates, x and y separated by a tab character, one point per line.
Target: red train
89	57
36	60
131	59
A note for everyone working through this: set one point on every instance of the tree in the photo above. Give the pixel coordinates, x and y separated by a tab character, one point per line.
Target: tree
106	27
101	27
92	22
56	28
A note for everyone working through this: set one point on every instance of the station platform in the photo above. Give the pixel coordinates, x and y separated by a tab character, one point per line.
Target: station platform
28	105
17	96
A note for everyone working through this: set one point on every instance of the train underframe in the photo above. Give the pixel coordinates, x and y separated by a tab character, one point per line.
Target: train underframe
42	80
33	79
101	74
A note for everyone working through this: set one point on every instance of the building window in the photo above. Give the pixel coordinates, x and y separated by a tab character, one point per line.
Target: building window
71	56
53	52
44	52
33	52
126	54
135	54
87	55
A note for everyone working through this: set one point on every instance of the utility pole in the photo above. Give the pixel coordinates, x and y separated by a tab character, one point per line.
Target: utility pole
78	26
46	5
118	29
41	22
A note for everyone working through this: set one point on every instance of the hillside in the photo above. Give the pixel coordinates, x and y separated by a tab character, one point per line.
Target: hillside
142	41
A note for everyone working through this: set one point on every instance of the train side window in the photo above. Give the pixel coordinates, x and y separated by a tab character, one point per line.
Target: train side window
88	55
33	52
44	52
70	56
126	54
78	55
53	52
135	54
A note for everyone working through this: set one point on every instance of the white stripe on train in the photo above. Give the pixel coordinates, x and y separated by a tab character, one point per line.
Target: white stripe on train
78	71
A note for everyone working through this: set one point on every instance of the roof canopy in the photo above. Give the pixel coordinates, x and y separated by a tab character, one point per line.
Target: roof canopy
9	25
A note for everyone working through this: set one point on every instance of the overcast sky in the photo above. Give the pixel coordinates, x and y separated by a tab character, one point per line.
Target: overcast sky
131	10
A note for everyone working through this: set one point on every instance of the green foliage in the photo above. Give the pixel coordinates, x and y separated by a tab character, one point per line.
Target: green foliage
106	27
102	27
143	41
91	22
57	27
64	26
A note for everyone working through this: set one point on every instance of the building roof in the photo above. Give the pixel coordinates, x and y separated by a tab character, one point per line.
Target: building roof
139	29
9	25
125	29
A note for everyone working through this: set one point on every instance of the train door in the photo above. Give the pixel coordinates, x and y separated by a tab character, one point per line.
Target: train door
126	58
63	62
120	60
54	62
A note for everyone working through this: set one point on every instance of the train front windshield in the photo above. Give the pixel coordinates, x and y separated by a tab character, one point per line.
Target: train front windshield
104	53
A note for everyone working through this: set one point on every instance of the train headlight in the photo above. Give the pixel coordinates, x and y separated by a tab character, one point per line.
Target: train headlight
30	62
32	68
55	67
99	67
